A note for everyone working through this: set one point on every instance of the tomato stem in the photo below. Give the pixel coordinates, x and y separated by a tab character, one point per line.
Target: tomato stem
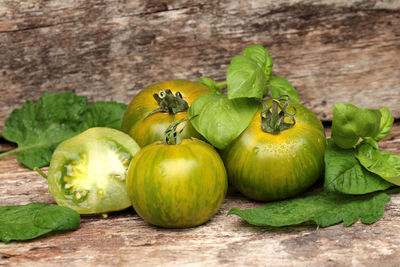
172	136
273	116
221	84
9	153
40	172
169	103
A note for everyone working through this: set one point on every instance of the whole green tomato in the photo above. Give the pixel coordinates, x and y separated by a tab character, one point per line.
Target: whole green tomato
279	155
87	172
154	108
177	186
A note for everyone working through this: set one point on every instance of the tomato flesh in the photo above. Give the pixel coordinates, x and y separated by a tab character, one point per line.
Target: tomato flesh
87	172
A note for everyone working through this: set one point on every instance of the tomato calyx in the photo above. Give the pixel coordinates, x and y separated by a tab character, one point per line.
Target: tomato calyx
275	118
169	103
172	136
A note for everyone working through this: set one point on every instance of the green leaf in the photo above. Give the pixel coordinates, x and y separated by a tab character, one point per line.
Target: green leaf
221	120
324	209
262	57
35	219
245	78
350	123
210	83
385	125
38	128
104	114
384	164
344	174
281	86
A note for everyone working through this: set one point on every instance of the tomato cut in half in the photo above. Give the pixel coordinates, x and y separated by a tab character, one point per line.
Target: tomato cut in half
87	172
155	107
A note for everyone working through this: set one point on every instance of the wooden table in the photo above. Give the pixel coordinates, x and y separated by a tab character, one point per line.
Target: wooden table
125	239
331	51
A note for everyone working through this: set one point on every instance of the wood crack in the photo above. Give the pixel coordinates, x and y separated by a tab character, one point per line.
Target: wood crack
200	6
37	27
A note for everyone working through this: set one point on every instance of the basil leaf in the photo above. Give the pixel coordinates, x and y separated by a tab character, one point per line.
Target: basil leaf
350	123
384	164
385	125
324	209
219	119
262	57
39	127
210	83
281	86
344	174
35	219
245	78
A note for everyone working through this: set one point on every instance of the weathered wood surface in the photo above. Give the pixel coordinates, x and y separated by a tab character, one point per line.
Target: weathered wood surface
108	50
123	239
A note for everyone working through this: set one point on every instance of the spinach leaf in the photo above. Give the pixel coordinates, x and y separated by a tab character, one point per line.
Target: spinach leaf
35	219
344	174
262	57
324	209
38	128
245	78
385	125
104	114
220	119
384	164
281	86
350	123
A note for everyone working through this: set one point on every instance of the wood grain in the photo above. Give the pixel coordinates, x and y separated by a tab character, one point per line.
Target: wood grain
331	51
123	239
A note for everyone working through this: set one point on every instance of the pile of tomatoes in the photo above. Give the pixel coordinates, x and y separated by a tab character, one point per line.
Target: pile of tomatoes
170	174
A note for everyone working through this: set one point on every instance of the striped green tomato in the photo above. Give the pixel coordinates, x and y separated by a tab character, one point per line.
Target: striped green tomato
148	130
177	186
271	166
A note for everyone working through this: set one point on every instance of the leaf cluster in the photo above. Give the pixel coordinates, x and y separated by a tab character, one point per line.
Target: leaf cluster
350	125
221	118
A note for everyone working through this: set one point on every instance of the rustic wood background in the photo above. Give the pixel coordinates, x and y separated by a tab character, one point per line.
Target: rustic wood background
331	51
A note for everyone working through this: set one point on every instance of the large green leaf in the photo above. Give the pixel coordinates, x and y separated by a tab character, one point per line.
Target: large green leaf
385	125
35	219
384	164
39	127
245	78
324	209
262	57
350	123
221	120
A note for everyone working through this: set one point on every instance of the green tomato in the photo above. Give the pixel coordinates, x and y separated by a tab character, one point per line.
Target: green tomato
177	186
147	129
266	167
87	172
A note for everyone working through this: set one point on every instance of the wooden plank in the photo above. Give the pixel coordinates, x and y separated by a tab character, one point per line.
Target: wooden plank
108	50
124	239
